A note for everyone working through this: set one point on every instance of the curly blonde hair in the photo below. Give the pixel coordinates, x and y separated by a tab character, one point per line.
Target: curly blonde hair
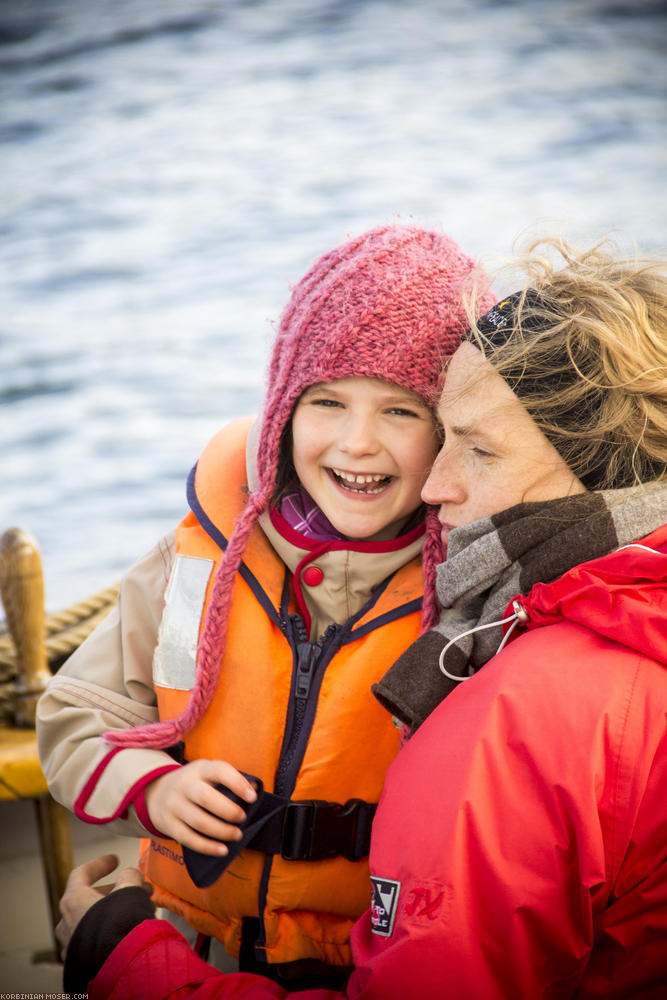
584	346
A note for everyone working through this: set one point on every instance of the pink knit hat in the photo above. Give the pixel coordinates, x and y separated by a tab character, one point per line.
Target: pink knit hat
386	305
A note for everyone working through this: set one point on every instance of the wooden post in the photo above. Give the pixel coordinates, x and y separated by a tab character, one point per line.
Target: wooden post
22	591
56	849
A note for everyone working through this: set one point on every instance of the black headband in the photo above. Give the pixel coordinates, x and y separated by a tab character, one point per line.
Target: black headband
499	323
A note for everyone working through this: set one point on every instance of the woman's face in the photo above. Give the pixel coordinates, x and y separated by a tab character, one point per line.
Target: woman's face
494	455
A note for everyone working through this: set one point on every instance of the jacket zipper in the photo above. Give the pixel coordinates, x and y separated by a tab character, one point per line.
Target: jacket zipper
310	660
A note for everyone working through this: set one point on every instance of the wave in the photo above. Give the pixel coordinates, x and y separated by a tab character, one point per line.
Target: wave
130	35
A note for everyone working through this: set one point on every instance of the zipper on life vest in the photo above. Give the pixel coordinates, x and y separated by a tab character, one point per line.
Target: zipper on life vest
310	661
309	665
308	653
307	658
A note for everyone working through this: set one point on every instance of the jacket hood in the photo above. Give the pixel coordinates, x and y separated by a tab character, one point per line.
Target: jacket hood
622	596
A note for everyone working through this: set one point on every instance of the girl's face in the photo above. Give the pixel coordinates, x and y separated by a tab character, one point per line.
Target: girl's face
494	455
363	449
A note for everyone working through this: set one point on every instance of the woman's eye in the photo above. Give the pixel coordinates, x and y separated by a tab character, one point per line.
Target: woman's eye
402	412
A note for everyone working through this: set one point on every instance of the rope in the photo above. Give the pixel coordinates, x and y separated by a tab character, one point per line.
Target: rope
64	630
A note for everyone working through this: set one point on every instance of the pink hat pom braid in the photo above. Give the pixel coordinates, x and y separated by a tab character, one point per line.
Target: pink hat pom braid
158	735
432	554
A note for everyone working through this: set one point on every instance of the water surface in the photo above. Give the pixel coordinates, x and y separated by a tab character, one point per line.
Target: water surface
169	168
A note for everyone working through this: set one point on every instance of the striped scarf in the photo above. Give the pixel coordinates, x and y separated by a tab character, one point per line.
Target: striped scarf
492	561
302	513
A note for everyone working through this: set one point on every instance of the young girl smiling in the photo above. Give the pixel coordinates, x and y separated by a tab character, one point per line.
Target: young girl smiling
224	709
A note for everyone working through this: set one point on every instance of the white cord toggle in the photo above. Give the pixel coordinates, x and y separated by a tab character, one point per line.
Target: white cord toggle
519	615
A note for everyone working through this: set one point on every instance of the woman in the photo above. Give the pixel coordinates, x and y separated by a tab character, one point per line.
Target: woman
519	848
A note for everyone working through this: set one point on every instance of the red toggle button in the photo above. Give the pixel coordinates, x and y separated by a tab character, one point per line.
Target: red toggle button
312	575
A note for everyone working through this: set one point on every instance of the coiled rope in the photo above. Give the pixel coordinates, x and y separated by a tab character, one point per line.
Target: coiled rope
64	631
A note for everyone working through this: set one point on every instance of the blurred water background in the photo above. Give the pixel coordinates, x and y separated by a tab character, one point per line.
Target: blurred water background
169	167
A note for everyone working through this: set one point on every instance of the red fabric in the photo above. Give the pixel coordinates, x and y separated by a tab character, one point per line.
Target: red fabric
154	960
141	806
525	822
135	796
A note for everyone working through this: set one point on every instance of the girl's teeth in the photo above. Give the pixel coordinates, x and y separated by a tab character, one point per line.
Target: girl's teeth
360	480
377	489
363	481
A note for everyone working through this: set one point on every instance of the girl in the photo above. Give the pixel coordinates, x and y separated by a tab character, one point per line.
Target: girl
519	848
301	556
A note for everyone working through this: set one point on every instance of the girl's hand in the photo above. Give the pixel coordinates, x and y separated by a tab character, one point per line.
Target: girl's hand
184	805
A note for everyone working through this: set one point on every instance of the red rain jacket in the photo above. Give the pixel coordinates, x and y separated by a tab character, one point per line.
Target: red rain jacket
520	847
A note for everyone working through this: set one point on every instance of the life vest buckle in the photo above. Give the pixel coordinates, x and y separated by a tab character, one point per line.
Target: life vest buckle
314	830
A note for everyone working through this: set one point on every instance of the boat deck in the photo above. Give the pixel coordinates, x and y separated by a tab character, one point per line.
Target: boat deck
27	962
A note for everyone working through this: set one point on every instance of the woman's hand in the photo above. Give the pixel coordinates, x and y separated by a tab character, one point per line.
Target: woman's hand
80	892
184	805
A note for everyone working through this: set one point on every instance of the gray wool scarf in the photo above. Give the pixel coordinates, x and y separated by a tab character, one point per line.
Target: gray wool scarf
492	561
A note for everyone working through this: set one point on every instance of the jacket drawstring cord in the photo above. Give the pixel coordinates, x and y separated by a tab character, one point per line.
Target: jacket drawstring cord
519	615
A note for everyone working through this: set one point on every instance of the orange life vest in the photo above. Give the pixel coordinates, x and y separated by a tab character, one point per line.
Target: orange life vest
333	744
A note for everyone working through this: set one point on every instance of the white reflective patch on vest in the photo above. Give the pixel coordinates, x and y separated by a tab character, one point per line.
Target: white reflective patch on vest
175	659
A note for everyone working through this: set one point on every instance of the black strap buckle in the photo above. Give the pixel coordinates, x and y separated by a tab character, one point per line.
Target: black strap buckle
314	830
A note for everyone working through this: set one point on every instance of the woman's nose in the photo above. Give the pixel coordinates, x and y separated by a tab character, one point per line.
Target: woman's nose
442	485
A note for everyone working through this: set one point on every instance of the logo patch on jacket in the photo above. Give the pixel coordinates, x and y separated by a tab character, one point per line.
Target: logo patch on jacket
384	902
